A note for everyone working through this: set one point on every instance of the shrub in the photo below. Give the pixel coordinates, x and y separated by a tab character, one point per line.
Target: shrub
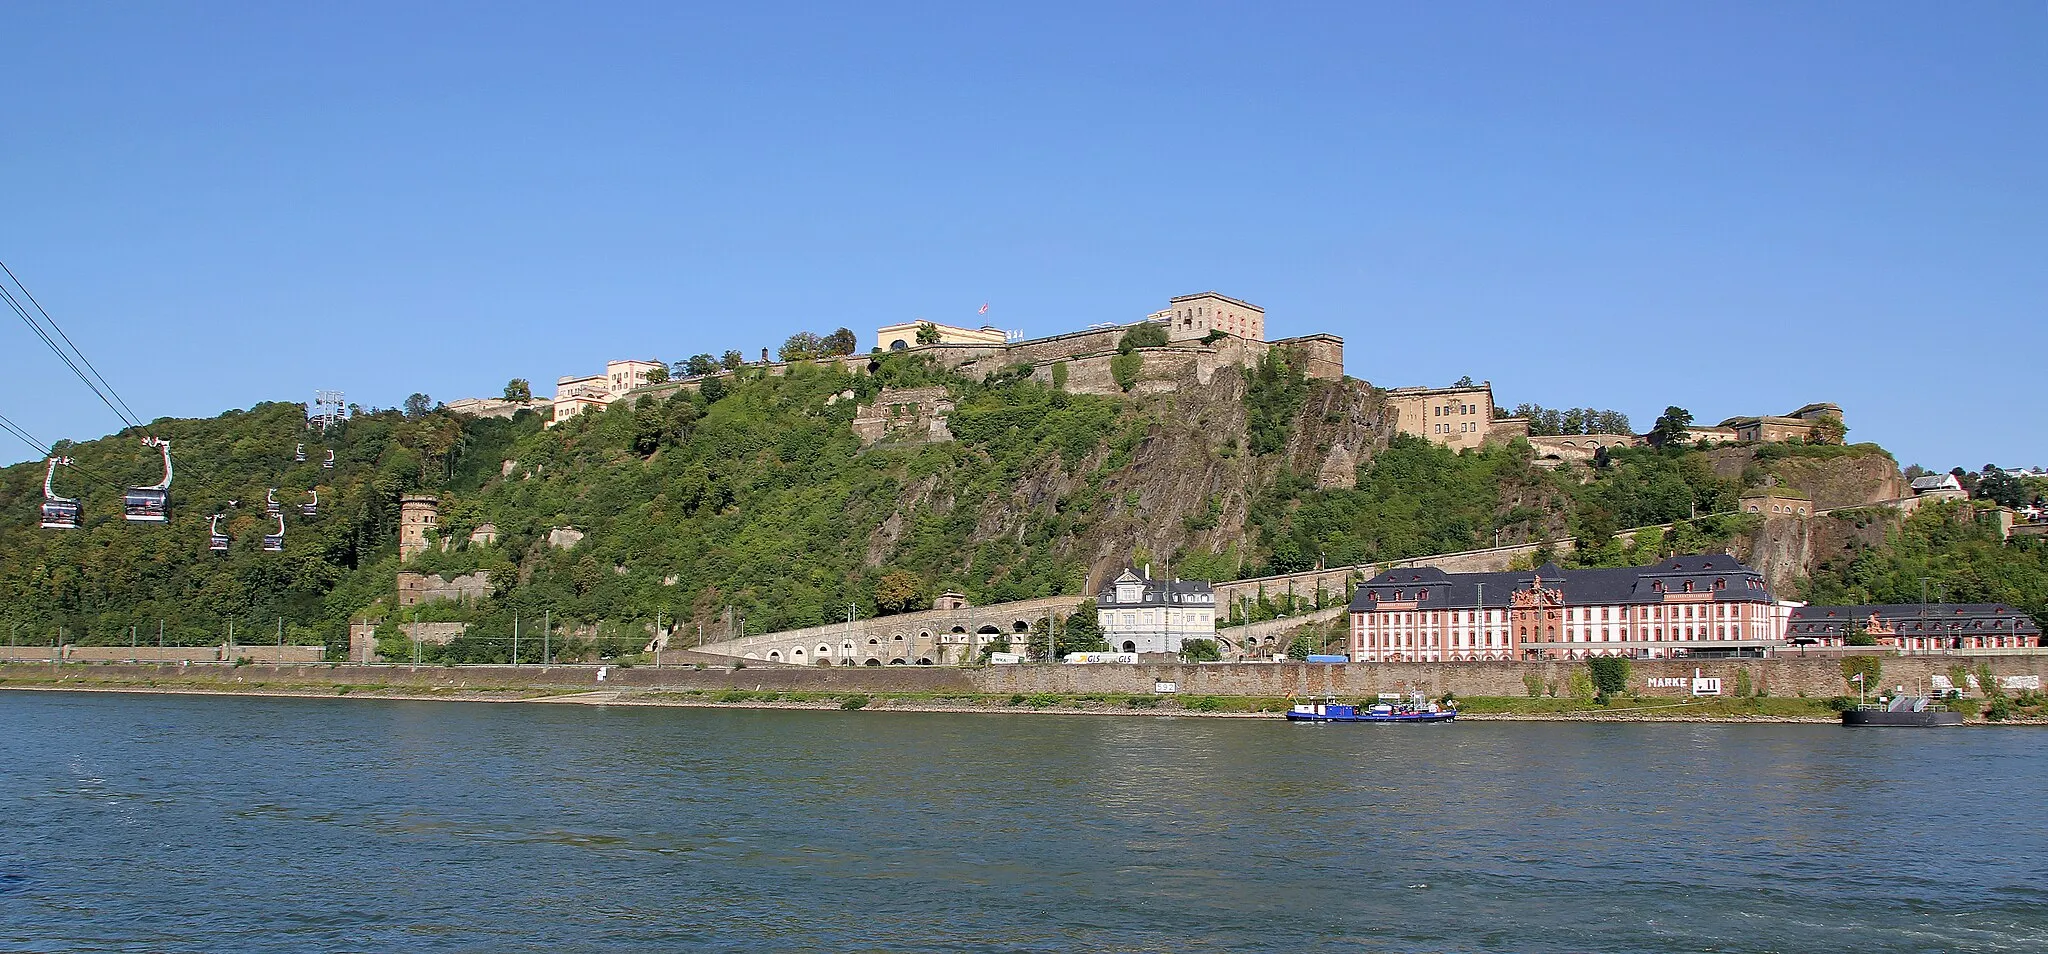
1743	687
1533	683
1999	710
1870	667
1202	703
1842	703
1142	702
1580	684
1610	675
1988	683
1125	368
853	702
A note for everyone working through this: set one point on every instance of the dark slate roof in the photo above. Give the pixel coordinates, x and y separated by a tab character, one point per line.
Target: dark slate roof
1157	592
1624	585
1916	619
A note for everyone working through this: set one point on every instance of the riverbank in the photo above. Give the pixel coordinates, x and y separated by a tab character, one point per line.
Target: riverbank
1482	708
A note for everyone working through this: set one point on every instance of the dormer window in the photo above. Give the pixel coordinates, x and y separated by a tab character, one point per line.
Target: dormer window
1720	585
1688	586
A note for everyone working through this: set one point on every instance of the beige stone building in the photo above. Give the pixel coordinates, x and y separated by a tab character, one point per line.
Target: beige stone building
1772	429
575	394
902	336
1190	317
623	376
1456	417
418	515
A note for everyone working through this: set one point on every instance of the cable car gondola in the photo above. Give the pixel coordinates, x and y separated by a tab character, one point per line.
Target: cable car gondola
329	462
274	542
299	455
271	506
59	513
217	541
311	509
151	504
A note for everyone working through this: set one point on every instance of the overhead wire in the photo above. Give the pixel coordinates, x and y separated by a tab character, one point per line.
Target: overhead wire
89	375
131	417
49	451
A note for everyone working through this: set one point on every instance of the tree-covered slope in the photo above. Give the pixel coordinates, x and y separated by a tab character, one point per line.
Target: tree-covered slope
753	499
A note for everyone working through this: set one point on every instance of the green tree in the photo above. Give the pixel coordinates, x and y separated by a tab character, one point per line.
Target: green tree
1199	650
927	333
417	405
657	374
1147	334
699	365
518	390
840	342
898	592
1671	426
1829	429
731	360
802	346
1080	632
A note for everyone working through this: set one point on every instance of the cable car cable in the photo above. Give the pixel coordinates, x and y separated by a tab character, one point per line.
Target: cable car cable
136	419
61	356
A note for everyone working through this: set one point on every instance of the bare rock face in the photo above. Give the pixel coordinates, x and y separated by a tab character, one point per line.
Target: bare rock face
1340	470
563	538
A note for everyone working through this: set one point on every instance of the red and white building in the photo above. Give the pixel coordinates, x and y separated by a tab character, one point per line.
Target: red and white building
1685	604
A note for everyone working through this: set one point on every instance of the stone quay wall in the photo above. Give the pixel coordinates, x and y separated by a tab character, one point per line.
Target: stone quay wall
1815	677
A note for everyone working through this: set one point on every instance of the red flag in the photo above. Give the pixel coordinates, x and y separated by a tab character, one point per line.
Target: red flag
984	309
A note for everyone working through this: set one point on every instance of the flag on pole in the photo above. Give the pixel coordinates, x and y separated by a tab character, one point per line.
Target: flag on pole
984	309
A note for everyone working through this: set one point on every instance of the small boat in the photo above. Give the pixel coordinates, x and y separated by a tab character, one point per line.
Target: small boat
1902	711
1330	710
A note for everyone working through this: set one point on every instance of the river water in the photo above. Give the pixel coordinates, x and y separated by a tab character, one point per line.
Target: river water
180	823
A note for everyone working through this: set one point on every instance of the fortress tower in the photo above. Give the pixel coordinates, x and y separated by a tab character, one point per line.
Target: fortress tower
417	514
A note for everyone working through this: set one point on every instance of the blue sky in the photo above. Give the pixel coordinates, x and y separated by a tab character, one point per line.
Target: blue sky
1735	208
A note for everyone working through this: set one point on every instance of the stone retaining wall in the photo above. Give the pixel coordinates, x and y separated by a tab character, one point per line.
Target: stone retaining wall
1789	676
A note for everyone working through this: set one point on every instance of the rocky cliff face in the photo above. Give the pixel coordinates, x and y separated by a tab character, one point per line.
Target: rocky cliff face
1185	483
1833	477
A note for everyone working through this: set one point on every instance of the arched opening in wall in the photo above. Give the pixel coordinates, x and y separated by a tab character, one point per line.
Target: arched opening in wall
876	642
796	654
899	662
824	650
924	660
899	345
1130	647
872	661
751	656
959	630
1020	626
986	633
774	656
